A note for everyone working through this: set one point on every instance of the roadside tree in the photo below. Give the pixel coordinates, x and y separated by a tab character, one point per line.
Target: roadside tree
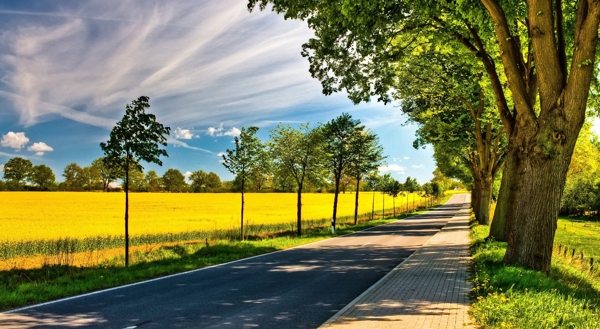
298	154
136	137
241	160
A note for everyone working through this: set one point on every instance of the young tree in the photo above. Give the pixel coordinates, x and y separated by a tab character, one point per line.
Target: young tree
107	175
299	154
367	155
136	137
153	182
174	180
213	180
338	134
74	177
393	188
383	185
89	176
199	181
241	160
16	171
42	176
372	181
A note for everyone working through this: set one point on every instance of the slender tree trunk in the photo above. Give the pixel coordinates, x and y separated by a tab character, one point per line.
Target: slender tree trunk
394	205
127	215
299	212
407	203
382	205
356	201
242	215
335	200
373	206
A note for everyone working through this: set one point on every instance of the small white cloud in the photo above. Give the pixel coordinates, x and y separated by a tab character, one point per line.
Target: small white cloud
233	132
392	167
220	154
14	140
394	159
187	175
40	148
181	133
406	158
1	168
418	166
212	131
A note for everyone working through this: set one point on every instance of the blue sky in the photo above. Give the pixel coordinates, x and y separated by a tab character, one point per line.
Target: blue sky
67	69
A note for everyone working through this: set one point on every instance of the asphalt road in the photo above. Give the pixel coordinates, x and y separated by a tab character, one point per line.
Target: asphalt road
296	288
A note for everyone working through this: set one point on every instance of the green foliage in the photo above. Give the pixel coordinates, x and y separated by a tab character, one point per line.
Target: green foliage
74	180
135	138
16	171
198	179
241	160
42	176
174	181
153	182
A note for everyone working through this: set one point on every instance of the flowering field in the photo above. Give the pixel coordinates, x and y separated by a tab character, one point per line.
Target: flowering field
84	229
53	215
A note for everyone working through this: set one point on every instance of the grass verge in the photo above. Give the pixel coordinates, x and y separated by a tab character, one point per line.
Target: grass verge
514	297
24	287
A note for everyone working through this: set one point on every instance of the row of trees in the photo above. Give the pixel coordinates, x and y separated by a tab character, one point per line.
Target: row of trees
512	79
308	155
20	174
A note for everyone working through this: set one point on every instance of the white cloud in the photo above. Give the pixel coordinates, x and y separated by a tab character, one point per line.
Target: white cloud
187	175
418	166
220	154
406	158
233	132
1	168
40	148
14	140
181	133
392	167
212	131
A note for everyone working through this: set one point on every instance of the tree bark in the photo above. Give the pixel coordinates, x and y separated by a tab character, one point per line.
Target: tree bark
498	228
127	215
335	200
356	201
242	215
299	212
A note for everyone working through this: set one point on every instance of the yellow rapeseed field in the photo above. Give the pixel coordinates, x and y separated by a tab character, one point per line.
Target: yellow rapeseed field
52	215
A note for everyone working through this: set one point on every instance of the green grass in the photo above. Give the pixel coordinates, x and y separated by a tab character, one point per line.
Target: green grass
583	236
514	297
24	287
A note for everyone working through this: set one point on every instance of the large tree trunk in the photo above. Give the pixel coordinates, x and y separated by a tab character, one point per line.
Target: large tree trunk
499	228
541	159
481	200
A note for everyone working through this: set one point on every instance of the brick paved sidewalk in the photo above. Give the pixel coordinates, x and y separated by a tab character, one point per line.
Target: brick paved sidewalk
429	290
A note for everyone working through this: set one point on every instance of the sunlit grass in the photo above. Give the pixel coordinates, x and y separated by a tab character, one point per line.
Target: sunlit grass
514	297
